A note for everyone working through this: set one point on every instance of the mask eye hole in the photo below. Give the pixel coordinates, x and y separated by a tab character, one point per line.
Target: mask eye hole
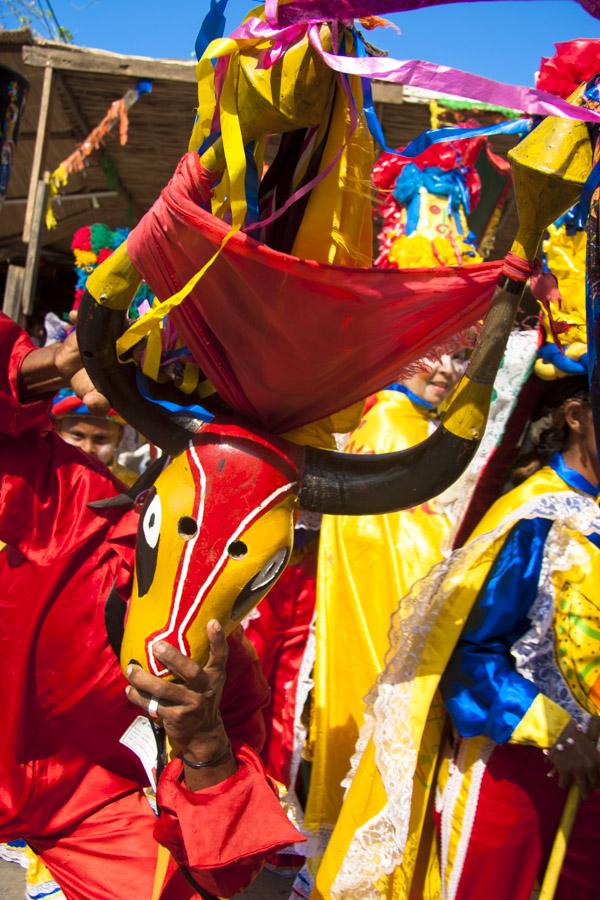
187	528
151	522
237	550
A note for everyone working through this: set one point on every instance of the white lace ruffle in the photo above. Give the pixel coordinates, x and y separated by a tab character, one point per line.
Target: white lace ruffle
534	653
517	363
377	848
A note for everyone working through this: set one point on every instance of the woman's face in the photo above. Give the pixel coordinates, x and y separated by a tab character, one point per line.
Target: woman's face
436	379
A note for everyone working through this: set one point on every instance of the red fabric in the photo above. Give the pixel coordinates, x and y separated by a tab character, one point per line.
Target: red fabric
286	341
574	62
61	764
280	634
517	816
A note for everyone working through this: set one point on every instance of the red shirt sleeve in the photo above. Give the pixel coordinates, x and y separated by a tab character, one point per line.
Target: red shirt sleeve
45	484
223	834
16	417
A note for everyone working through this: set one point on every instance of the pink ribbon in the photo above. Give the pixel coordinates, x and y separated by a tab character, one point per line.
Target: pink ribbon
415	73
452	81
324	10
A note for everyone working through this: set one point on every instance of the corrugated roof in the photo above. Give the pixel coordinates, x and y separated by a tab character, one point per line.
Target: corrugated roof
88	81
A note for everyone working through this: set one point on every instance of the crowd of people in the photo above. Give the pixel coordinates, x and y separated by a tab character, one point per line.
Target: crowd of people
517	662
227	645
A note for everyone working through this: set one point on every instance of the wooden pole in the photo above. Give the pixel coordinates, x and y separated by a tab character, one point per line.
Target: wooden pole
565	828
13	293
39	151
35	243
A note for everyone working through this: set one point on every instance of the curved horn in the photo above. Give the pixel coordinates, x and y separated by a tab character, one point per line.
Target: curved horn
141	484
98	329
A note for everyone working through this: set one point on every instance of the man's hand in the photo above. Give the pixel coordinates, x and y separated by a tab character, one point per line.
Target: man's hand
49	369
70	368
576	759
188	709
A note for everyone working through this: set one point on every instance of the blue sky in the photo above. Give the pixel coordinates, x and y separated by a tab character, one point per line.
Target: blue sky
502	40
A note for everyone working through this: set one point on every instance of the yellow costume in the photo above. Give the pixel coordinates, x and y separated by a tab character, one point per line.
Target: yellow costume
379	849
366	563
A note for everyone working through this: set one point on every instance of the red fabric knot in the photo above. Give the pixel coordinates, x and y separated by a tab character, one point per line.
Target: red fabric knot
516	267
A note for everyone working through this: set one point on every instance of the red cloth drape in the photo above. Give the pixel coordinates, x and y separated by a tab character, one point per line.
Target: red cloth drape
286	341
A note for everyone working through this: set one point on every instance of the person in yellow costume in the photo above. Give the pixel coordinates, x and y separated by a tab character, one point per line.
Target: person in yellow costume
550	526
507	627
365	564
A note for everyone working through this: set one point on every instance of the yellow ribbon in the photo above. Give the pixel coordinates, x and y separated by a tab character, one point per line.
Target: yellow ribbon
150	322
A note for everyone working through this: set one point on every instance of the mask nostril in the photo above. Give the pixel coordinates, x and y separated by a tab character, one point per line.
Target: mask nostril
187	528
237	550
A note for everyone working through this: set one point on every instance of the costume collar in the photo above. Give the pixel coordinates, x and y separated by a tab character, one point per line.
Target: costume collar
402	389
573	478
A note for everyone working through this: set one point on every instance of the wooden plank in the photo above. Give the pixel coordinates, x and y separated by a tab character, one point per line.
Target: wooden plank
66	198
386	92
39	152
77	59
13	292
35	242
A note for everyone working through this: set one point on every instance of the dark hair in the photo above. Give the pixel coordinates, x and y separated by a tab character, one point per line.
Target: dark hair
548	432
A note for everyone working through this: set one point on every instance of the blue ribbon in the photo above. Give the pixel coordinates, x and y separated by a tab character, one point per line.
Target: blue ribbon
194	410
212	27
450	133
573	220
550	353
585	199
414	398
373	123
251	185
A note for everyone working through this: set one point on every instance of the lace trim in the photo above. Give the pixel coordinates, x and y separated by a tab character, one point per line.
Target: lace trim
534	653
305	685
377	848
517	363
313	845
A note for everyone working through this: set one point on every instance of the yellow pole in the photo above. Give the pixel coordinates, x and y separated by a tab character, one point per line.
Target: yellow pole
559	848
565	828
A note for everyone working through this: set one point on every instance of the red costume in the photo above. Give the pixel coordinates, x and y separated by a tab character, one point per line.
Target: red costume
280	634
66	783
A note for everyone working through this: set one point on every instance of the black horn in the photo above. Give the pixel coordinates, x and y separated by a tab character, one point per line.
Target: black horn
358	485
98	329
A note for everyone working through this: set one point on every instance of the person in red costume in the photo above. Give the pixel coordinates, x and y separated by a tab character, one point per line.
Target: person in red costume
67	785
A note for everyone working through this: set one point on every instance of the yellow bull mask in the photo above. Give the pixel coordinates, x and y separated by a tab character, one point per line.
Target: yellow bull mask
215	533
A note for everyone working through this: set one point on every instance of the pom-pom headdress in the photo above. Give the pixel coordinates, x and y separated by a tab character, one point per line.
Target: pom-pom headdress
67	404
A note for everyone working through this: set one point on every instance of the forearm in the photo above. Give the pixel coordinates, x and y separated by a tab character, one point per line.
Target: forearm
48	369
40	375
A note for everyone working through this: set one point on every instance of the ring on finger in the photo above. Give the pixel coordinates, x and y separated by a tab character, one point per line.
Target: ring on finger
153	707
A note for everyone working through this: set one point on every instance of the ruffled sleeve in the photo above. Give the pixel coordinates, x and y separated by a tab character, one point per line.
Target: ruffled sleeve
482	690
223	834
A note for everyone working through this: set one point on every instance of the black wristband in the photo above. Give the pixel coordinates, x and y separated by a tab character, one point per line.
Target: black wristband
209	762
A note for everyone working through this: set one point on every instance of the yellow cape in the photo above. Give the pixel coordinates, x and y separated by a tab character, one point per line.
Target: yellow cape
366	563
379	848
